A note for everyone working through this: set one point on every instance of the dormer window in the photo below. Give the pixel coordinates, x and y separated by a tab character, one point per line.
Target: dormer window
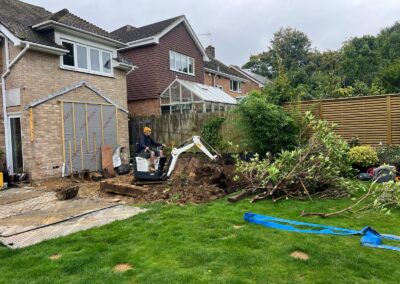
181	63
86	59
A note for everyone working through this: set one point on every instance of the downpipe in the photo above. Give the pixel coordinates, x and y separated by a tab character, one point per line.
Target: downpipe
9	65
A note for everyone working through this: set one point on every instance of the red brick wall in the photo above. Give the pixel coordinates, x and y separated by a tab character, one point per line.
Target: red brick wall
144	107
245	87
153	74
179	40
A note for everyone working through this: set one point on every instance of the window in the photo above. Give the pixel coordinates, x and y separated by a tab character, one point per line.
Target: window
106	62
81	52
235	86
181	63
87	59
68	59
95	59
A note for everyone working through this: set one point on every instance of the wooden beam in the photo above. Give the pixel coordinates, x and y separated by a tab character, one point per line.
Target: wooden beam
102	125
87	128
82	154
63	131
73	125
116	122
71	169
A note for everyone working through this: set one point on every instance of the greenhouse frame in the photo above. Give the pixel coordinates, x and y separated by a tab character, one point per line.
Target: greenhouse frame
185	96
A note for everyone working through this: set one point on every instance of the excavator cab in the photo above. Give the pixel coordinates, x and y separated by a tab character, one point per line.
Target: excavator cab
163	170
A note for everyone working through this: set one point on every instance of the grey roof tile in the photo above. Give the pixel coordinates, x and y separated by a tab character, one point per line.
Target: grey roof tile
19	17
218	66
129	33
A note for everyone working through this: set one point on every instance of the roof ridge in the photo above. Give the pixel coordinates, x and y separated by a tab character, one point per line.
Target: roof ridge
162	21
87	22
57	15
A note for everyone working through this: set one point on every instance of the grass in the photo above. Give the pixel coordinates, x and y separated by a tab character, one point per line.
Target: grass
209	243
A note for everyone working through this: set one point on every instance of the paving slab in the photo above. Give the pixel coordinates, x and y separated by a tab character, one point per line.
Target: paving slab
85	222
28	217
50	214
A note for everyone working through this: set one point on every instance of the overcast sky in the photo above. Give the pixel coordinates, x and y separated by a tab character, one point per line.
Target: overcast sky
240	28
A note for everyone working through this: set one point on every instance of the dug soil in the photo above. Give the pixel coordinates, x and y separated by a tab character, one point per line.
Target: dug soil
194	180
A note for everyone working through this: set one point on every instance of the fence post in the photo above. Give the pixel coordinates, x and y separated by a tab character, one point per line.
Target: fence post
389	120
320	113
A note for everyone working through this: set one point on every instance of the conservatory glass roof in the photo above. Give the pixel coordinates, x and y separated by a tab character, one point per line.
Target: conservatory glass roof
200	93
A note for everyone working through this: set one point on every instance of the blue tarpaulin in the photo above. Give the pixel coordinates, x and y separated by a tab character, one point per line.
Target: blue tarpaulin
370	237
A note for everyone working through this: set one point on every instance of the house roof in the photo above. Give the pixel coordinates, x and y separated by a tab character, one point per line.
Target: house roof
252	76
220	68
24	20
151	34
129	33
205	93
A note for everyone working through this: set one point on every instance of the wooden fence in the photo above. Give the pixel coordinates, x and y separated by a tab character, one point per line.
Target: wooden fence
374	120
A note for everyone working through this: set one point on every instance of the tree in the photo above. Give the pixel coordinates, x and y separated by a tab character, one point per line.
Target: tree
289	48
269	128
360	60
390	78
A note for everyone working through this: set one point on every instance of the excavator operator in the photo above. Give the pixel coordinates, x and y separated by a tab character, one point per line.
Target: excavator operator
148	147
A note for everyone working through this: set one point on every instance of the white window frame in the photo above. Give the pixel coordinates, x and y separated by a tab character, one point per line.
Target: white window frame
239	90
89	63
187	62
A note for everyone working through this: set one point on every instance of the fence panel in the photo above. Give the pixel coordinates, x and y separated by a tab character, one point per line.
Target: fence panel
374	120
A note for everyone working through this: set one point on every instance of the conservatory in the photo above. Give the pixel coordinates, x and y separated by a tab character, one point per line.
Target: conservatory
184	96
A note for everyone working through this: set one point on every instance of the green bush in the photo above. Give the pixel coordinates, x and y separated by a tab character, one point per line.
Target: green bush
363	156
267	126
389	154
210	132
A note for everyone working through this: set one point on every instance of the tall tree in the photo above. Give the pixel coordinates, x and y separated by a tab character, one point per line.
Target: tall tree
289	47
360	60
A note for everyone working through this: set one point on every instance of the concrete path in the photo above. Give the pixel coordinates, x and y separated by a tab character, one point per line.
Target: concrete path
28	217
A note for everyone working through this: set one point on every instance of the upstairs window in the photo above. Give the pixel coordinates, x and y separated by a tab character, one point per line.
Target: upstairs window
86	58
181	63
235	86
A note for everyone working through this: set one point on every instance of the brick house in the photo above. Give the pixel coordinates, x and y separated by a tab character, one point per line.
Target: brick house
255	81
232	81
63	91
163	51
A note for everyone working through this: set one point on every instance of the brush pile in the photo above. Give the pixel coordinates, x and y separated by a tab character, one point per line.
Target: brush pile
317	166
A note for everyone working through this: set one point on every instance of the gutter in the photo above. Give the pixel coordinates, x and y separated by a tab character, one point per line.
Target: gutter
9	65
48	49
212	71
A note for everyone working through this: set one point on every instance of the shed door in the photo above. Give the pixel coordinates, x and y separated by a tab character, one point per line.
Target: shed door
86	127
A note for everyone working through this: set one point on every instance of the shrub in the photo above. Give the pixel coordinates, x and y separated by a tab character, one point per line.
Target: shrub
389	154
210	131
363	156
267	126
319	164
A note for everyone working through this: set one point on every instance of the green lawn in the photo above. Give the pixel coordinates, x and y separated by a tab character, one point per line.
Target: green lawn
199	244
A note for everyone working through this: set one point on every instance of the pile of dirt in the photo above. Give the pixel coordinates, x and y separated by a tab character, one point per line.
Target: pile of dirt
195	179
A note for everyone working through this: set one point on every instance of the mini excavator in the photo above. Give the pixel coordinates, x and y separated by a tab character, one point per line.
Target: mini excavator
162	170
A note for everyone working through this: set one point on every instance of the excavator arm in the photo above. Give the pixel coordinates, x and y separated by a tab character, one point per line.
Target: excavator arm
194	141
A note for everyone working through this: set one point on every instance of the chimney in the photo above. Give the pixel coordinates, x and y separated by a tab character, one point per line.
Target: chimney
210	50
